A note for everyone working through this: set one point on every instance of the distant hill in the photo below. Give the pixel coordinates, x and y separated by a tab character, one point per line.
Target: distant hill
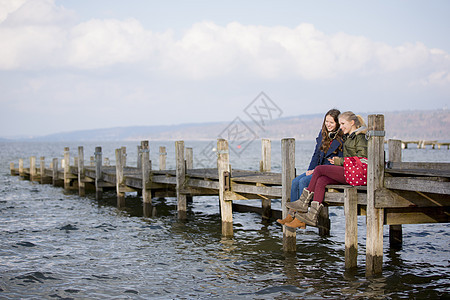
404	125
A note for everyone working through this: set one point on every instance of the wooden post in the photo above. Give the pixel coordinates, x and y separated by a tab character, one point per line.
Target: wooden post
42	169
375	179
21	169
139	156
189	165
11	169
351	227
120	178
92	161
287	175
181	176
162	157
81	172
66	168
33	170
226	206
265	166
98	173
55	171
395	231
124	156
324	223
146	179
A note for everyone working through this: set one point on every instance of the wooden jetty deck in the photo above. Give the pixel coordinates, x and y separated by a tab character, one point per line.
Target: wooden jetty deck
397	192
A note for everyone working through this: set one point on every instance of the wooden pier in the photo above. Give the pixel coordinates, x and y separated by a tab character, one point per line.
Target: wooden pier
397	192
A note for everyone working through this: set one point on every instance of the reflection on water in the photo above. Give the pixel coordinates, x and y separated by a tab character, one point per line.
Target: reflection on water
57	245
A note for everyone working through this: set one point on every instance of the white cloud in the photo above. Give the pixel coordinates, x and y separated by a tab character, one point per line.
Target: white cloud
37	34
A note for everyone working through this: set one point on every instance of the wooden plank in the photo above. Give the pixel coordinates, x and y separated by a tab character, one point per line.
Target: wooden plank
419	172
396	199
164	179
270	192
417	215
206	184
337	199
437	166
413	184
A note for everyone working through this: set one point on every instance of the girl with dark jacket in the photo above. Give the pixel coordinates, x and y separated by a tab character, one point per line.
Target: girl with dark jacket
328	144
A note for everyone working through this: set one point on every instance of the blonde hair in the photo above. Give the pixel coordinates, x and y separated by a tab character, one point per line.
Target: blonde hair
350	116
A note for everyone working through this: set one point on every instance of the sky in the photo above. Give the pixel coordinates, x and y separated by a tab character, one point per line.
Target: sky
68	65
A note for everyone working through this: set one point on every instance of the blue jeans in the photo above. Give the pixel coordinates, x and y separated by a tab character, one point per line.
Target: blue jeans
298	184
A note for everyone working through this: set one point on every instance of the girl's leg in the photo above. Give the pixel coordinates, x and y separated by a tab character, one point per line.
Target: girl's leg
333	175
295	191
303	183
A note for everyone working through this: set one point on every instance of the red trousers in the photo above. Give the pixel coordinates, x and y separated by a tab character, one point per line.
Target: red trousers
322	176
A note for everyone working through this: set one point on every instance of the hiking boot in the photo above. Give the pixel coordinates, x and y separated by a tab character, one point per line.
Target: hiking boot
312	216
295	224
301	205
289	218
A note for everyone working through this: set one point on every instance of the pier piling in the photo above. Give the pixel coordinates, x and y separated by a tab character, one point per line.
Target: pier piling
287	175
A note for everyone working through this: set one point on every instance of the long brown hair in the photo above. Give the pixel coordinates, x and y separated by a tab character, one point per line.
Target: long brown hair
328	136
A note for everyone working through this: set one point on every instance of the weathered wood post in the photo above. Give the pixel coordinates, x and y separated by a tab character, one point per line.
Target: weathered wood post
42	169
139	156
11	169
55	171
92	161
120	178
124	156
375	179
21	169
66	168
146	178
226	206
98	173
265	166
395	231
33	170
162	157
81	172
351	227
287	175
181	176
189	165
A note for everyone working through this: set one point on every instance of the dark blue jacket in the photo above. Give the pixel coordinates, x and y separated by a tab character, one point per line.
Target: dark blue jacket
319	157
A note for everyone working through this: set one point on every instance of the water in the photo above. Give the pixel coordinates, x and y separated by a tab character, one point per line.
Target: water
57	245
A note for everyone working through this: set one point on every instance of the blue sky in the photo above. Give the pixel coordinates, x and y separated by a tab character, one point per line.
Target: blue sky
70	65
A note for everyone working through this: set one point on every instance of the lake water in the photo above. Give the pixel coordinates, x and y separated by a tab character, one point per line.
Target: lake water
57	245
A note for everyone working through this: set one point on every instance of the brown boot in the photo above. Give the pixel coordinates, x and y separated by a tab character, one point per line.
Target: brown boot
289	218
301	205
311	217
296	223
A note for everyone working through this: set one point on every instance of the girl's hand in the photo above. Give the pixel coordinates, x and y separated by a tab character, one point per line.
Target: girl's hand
309	172
331	160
